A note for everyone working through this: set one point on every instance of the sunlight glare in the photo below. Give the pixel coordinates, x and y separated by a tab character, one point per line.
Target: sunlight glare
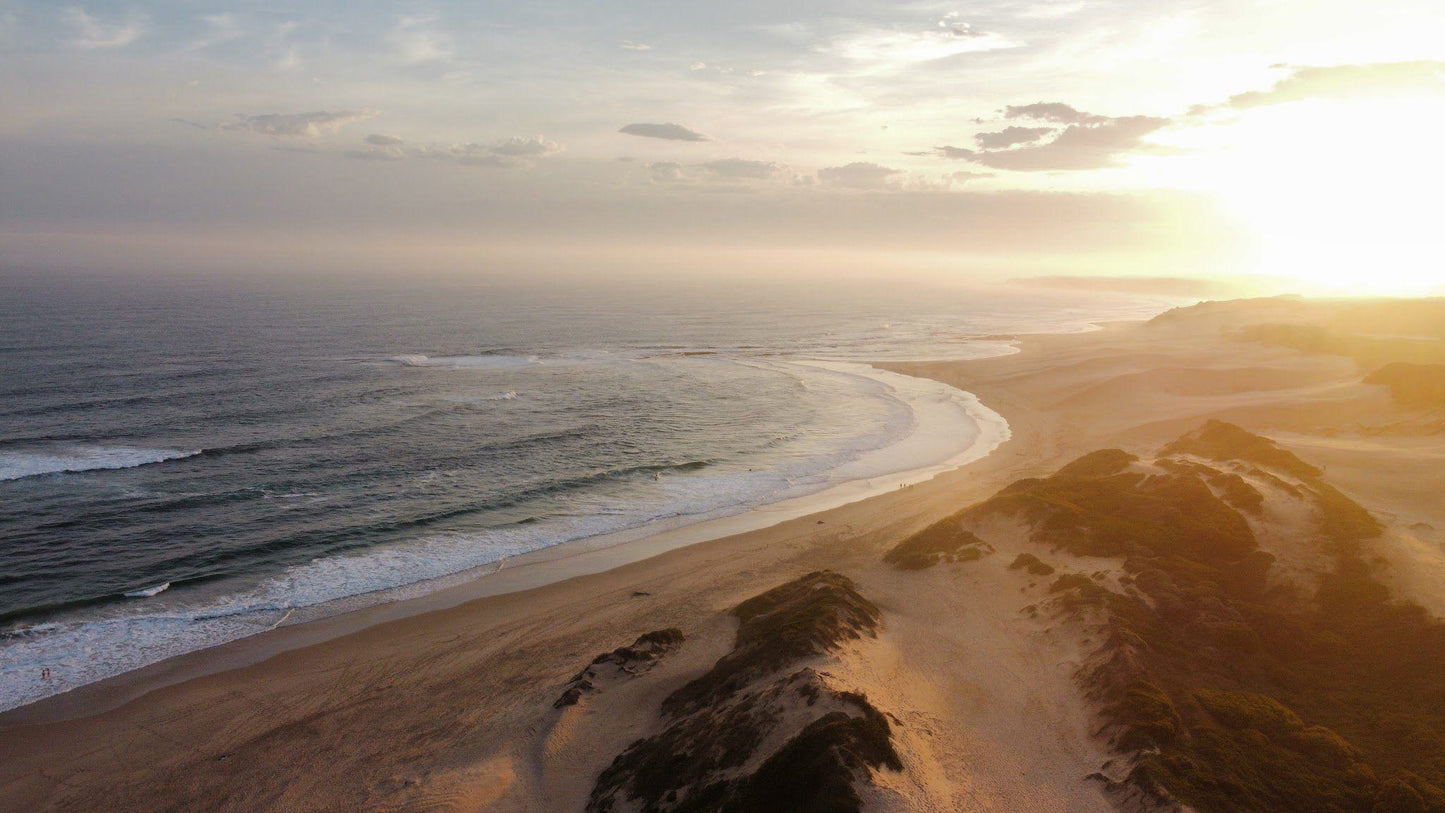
1345	198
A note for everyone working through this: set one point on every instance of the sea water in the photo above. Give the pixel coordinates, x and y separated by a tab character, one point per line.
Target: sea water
183	465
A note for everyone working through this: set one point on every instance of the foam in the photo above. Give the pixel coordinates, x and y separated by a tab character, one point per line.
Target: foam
482	362
509	395
18	464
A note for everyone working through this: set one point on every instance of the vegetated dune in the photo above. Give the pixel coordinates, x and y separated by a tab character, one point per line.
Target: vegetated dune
1246	657
1216	608
1372	333
1412	384
763	730
1395	344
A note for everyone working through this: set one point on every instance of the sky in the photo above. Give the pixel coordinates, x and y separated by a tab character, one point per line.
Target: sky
1296	139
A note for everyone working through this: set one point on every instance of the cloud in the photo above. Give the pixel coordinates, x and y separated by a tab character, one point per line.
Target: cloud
965	176
1374	80
93	33
636	46
219	28
665	172
295	125
1057	112
743	169
509	153
732	171
413	41
859	175
520	147
378	154
951	152
474	155
697	66
669	131
1078	146
1052	10
1090	142
1011	136
893	48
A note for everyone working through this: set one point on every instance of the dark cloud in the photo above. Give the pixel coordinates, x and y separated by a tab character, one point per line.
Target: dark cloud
1078	146
859	175
379	140
1011	137
669	131
1057	112
1092	141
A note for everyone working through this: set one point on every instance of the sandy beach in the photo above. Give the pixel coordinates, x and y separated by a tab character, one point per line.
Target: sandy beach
447	702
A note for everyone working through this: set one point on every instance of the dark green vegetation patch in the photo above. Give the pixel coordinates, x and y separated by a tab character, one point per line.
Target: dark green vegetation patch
1126	514
644	653
805	617
719	721
1220	441
1033	564
941	542
1234	691
1099	464
814	772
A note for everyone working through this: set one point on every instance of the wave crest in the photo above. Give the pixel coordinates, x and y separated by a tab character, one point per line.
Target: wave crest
33	463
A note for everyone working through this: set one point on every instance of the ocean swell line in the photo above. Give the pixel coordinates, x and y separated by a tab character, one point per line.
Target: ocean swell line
16	465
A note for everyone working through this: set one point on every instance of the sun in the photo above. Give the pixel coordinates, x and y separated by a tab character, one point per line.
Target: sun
1343	198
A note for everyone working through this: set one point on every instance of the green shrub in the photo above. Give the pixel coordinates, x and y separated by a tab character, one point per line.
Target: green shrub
944	541
1033	564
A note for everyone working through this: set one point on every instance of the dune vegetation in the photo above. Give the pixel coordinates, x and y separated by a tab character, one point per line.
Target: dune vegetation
1228	686
942	542
762	731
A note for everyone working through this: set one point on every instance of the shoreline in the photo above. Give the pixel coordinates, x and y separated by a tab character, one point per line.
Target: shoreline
460	708
526	571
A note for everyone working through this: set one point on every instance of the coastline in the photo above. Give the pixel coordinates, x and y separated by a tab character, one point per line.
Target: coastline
452	708
547	565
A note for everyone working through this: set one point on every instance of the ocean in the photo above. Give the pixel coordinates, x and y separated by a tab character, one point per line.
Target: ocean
187	464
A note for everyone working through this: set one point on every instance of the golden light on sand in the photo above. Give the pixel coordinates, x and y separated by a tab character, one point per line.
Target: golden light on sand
1345	198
